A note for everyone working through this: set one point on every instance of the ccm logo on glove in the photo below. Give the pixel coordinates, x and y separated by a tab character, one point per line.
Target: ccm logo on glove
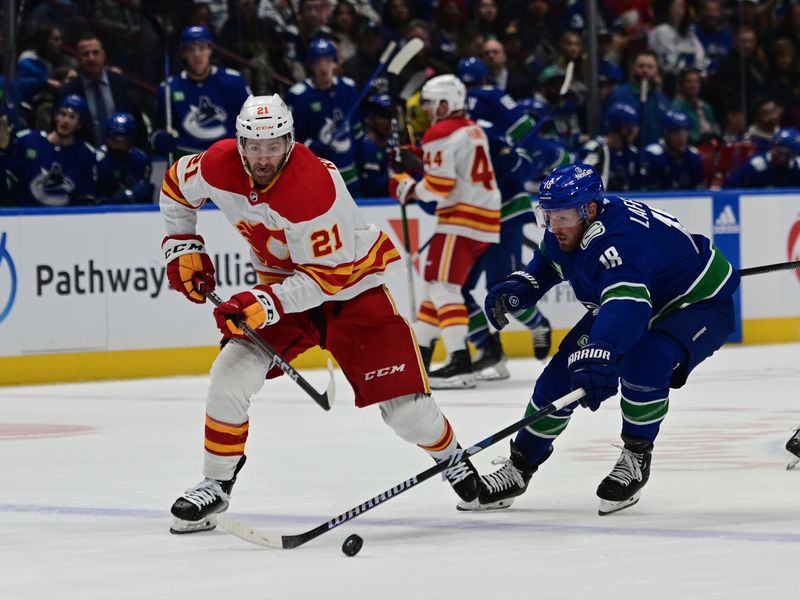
256	308
188	266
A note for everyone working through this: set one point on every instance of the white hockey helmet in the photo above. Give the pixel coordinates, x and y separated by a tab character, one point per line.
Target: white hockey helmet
445	87
261	119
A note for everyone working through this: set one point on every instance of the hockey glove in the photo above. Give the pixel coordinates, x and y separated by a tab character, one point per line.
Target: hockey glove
163	142
520	290
188	266
401	187
593	368
257	308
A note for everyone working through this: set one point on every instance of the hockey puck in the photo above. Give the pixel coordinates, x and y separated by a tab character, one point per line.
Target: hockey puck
352	545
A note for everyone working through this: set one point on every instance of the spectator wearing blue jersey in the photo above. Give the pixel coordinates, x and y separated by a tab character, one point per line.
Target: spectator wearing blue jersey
714	35
55	168
614	155
123	171
672	163
655	105
775	168
659	303
320	104
203	99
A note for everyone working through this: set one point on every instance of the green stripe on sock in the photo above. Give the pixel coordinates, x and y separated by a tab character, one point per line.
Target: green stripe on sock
643	414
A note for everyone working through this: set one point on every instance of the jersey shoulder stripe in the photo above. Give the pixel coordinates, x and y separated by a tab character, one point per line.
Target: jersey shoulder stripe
221	167
444	128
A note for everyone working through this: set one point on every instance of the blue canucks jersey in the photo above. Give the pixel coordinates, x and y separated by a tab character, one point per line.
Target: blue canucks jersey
203	112
513	170
318	114
661	170
635	264
759	172
618	168
44	174
124	180
491	104
373	169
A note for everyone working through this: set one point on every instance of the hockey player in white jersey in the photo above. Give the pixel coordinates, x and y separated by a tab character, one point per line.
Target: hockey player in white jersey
321	269
459	180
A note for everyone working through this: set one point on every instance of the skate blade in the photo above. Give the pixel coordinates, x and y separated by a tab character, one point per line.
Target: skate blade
608	507
494	373
180	526
793	462
460	382
476	506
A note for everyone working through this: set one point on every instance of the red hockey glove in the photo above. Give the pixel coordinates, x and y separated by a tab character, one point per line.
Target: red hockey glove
401	187
188	265
257	308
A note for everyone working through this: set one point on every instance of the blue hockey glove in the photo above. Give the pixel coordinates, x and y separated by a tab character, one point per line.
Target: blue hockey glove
593	368
519	290
163	142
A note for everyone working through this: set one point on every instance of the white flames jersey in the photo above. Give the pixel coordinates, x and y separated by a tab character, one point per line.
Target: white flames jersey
459	177
307	237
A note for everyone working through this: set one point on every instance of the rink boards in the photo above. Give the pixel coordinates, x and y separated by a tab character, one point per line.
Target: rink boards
84	295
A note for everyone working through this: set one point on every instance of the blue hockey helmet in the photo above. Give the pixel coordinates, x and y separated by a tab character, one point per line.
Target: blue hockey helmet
121	123
674	119
568	186
319	48
76	103
196	34
788	138
472	71
380	104
620	114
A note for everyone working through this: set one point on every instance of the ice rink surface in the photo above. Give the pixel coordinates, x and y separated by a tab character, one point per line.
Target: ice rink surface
90	471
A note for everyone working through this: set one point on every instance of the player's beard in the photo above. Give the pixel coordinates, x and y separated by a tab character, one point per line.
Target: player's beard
263	174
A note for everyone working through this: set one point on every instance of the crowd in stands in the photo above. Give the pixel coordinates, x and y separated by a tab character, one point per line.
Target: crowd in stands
691	93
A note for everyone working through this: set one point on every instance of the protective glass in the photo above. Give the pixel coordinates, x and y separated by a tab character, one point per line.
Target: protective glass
257	148
559	219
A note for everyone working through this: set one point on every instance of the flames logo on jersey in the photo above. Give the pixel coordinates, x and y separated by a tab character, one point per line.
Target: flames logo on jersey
268	244
51	187
206	121
793	246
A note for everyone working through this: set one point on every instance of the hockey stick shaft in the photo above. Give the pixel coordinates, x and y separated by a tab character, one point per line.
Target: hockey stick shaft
324	399
167	97
275	540
553	109
784	266
365	89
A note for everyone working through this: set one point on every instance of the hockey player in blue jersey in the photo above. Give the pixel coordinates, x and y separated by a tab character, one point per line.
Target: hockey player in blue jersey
372	149
319	105
615	155
659	302
123	171
512	169
55	168
204	99
672	163
777	167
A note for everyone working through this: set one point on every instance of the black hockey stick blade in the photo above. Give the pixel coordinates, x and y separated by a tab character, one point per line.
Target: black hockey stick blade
287	542
325	399
784	266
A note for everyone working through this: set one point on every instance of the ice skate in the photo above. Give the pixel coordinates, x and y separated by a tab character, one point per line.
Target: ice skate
455	375
623	486
491	364
542	339
465	480
426	352
793	447
509	481
197	509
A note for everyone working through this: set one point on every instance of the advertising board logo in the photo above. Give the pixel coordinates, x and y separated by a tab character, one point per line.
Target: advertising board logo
793	245
8	279
726	221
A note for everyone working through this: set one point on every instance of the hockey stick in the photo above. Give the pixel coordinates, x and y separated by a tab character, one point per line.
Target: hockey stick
276	540
365	89
325	399
569	73
784	266
167	96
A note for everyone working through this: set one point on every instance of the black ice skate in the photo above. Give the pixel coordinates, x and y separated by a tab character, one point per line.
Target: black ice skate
509	481
426	352
623	486
197	509
793	446
456	374
542	339
464	480
491	364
